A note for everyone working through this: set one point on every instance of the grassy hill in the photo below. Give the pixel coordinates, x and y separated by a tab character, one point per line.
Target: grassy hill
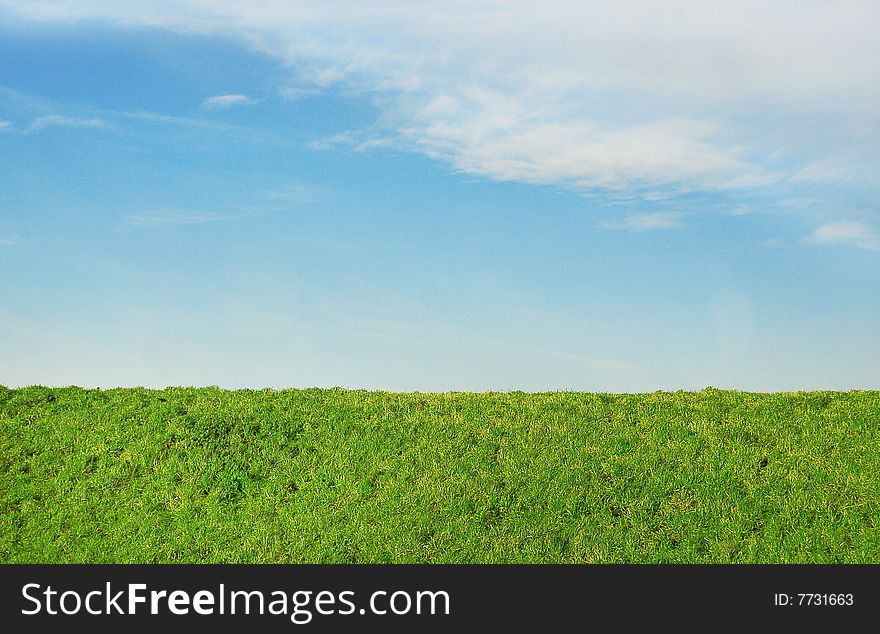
207	475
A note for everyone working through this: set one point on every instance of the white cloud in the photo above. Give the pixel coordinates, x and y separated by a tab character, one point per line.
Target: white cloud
225	101
742	210
647	222
583	154
292	93
828	170
170	217
5	125
772	243
41	123
200	123
848	232
686	94
342	138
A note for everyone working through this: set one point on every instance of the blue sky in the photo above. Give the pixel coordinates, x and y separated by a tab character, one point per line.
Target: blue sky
440	196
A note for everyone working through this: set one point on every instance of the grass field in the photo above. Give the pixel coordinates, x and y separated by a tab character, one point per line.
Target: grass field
319	476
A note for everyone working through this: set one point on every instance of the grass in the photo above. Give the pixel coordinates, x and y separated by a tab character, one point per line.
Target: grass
321	476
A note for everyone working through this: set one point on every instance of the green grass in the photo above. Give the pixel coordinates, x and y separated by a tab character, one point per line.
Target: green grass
320	476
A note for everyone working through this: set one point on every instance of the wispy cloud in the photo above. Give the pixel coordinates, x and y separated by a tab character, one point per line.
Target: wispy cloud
339	139
742	210
584	154
647	222
219	102
631	94
772	243
827	170
186	122
848	232
43	113
47	121
170	217
292	93
794	203
195	124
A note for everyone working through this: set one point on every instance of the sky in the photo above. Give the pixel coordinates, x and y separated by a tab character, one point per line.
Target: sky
433	196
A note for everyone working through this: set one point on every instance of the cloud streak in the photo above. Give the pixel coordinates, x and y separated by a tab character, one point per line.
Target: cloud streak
221	102
55	120
293	93
166	217
848	232
647	222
